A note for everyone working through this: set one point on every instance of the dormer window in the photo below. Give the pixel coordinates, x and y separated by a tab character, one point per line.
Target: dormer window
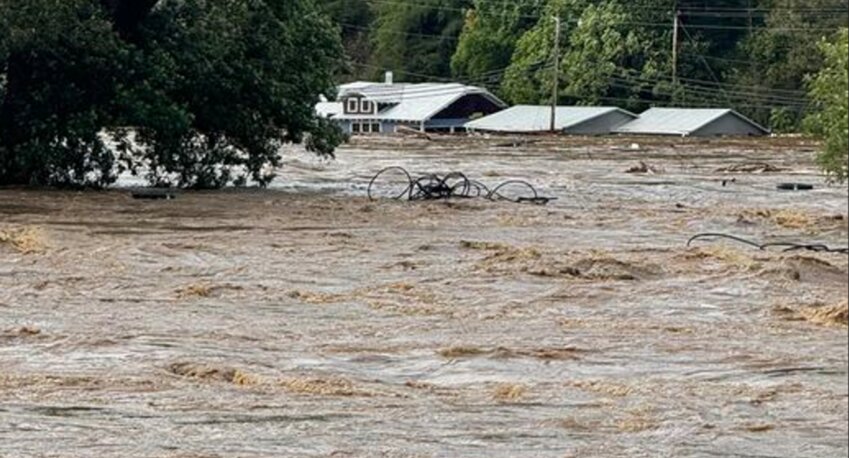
353	105
366	107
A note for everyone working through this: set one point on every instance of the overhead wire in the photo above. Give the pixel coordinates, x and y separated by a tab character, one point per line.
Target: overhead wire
409	3
707	90
733	94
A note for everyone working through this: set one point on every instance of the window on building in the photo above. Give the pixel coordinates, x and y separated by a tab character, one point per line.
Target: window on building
365	107
365	127
353	105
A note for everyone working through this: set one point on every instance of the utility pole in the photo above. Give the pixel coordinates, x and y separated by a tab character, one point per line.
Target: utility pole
751	19
556	90
677	14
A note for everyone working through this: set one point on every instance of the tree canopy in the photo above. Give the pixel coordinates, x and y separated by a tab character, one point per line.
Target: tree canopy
193	93
830	119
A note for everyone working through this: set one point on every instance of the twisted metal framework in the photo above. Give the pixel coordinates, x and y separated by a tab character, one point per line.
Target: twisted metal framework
456	185
787	247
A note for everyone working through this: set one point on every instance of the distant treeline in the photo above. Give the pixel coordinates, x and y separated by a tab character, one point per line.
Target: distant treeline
757	56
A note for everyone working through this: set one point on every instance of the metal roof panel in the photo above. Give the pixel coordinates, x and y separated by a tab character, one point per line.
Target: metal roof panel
410	102
537	118
679	121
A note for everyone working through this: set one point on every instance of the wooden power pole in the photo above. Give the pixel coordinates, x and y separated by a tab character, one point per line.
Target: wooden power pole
556	89
677	19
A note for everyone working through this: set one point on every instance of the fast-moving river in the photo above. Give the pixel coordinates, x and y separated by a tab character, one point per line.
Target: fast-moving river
307	320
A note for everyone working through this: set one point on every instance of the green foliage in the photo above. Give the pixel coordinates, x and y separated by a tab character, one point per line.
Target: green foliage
779	56
599	47
605	59
783	120
61	65
830	94
355	18
417	38
210	88
489	37
238	80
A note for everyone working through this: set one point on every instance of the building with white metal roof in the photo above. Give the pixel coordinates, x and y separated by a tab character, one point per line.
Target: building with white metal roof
524	119
375	108
692	122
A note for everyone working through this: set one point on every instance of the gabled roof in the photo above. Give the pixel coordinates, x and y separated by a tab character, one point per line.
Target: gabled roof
534	118
410	102
681	121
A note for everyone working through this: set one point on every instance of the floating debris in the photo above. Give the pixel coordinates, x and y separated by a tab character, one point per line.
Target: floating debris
643	168
833	315
508	392
322	387
751	167
836	315
26	240
198	290
213	373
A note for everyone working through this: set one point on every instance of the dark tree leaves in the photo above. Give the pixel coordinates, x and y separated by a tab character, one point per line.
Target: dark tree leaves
194	93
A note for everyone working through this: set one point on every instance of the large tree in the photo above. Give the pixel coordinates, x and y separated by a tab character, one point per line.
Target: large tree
126	15
355	18
488	41
779	55
830	118
417	39
605	58
209	88
60	68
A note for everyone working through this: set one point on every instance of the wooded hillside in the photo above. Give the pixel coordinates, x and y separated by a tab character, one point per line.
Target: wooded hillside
754	55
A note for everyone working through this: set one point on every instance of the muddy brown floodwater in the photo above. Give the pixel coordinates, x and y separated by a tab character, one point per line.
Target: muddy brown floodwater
307	321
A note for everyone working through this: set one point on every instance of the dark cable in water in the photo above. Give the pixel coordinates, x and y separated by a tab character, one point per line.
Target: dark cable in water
456	185
788	247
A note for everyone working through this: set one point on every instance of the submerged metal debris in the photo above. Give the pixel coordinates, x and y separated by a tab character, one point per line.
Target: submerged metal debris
787	246
457	185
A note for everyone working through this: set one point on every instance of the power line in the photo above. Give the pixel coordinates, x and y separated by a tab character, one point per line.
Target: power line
409	3
731	90
729	99
707	65
631	82
535	3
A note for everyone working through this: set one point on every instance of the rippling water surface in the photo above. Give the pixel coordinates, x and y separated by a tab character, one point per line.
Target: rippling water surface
308	321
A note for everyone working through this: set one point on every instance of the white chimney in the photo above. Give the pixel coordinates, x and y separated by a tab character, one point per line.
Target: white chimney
390	78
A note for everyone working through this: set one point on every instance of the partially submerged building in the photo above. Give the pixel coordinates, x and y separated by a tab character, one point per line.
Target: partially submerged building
693	122
382	108
530	119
